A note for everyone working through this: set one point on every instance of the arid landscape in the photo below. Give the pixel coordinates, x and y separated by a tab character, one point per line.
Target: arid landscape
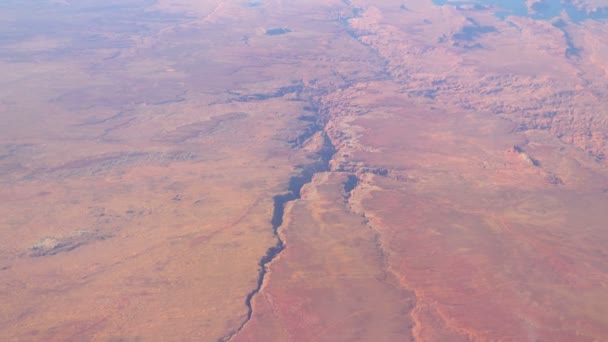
336	170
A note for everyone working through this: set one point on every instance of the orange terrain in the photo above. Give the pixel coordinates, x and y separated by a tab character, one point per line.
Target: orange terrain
303	171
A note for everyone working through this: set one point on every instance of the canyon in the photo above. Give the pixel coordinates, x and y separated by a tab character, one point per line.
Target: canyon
303	171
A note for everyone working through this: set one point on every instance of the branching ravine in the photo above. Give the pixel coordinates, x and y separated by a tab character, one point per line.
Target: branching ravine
351	186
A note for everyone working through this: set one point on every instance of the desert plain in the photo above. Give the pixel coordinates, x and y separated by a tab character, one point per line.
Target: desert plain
181	170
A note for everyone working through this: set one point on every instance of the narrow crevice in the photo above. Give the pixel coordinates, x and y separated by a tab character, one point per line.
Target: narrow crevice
572	50
311	129
349	185
344	20
296	89
295	185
